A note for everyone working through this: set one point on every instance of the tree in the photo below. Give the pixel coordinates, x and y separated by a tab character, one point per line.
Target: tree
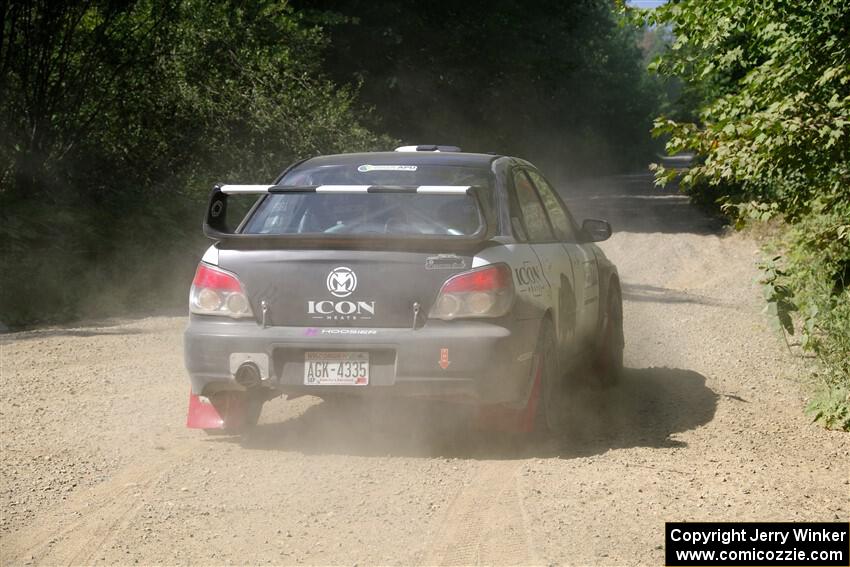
558	82
115	119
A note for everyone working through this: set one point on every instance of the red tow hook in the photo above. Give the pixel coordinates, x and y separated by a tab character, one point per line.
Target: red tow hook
202	414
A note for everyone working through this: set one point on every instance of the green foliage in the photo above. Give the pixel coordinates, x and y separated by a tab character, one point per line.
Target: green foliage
775	82
831	408
818	271
772	85
117	117
778	295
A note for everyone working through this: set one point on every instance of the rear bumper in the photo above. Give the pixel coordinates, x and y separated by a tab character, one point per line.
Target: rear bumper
487	362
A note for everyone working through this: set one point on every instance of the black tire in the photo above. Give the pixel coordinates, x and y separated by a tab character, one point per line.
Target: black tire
609	359
547	416
253	410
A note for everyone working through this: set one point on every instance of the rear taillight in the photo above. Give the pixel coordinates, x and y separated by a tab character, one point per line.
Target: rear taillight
216	292
483	292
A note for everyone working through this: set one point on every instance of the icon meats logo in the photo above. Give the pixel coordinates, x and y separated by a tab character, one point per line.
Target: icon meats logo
341	282
528	277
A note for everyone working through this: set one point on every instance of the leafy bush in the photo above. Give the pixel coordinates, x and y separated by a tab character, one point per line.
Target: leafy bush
818	271
117	117
772	81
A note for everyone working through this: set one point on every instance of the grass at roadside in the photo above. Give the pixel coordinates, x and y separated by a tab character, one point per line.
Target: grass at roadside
806	284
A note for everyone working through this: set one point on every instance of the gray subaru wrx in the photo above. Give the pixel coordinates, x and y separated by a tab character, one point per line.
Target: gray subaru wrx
424	272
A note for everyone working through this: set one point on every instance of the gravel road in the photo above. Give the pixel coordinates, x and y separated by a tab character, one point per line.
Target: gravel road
97	468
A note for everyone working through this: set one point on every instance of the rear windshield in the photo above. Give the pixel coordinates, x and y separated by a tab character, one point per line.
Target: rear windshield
372	214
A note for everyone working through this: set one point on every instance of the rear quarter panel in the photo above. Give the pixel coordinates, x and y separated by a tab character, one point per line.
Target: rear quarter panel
533	293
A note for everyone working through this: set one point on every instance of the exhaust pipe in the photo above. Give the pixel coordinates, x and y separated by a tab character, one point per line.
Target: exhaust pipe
248	375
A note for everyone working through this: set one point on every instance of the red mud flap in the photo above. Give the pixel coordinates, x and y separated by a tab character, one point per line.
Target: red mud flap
504	419
202	414
224	410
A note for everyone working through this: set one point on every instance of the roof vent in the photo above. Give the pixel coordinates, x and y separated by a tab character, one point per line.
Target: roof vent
427	148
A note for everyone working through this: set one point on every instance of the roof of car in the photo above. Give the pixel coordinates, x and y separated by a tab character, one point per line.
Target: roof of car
405	158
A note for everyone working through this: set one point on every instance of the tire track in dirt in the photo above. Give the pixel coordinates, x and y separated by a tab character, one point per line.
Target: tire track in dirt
75	532
486	523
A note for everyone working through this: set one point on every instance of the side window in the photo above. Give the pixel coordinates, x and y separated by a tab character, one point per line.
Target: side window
561	222
534	218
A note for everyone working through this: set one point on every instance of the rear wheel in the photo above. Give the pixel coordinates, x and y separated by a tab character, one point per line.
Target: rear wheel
547	386
254	407
609	358
541	413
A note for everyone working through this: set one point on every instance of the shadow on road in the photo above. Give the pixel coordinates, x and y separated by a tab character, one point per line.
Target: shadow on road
85	333
645	409
116	326
655	294
631	203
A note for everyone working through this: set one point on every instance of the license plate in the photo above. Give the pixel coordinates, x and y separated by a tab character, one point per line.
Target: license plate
336	368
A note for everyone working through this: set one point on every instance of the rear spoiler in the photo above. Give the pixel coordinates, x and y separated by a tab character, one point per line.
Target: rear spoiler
215	226
260	189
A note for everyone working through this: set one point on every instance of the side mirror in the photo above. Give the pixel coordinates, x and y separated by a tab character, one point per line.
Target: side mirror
596	230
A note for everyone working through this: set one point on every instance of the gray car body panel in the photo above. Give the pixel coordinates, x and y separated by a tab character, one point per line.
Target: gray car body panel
488	361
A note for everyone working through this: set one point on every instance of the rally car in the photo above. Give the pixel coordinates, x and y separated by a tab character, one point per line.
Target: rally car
424	272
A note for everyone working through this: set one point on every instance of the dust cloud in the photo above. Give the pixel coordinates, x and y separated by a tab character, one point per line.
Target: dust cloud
98	467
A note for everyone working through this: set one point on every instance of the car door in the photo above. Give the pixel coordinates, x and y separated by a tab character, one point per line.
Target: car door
584	262
555	261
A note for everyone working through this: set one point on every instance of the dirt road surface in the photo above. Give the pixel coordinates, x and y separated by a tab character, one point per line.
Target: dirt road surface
97	467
